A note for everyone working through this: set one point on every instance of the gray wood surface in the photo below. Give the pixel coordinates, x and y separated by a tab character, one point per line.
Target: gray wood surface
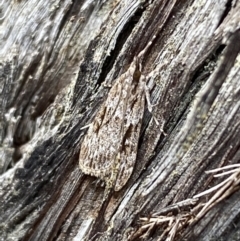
58	60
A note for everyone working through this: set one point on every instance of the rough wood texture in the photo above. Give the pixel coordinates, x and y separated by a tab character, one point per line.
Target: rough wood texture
56	59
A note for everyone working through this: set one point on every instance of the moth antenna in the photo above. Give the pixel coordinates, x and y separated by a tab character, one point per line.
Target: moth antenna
140	55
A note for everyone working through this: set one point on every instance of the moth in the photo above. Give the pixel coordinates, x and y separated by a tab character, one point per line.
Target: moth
109	149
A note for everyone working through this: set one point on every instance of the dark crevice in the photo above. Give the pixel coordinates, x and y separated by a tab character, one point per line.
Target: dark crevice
120	41
198	79
181	110
91	71
228	7
195	84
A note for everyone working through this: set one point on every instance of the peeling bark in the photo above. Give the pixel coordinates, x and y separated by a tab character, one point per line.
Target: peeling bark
57	59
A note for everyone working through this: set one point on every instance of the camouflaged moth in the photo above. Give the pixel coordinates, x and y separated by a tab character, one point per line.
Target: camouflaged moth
109	149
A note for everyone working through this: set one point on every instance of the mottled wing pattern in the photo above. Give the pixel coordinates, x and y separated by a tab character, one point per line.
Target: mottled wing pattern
103	140
131	130
109	148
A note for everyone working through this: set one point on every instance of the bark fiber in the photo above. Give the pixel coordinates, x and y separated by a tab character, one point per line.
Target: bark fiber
56	59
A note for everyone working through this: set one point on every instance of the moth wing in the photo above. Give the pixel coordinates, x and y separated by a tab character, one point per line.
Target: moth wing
132	126
101	143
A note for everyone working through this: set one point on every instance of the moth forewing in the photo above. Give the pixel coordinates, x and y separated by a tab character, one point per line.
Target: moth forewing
132	127
109	149
101	144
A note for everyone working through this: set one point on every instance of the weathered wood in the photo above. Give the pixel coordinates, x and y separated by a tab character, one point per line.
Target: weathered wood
57	59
